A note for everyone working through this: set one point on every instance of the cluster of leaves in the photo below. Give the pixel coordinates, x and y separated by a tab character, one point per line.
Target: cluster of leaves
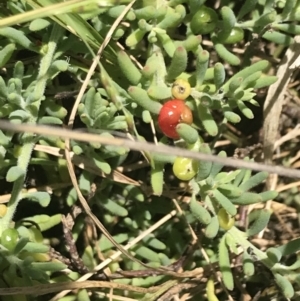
123	95
25	259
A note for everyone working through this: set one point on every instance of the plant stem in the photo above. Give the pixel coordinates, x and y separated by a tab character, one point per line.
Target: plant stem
242	240
29	139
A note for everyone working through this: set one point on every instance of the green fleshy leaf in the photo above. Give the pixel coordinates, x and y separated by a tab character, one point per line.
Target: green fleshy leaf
244	73
207	120
128	68
201	67
166	41
245	110
247	198
55	110
248	265
212	228
49	266
178	63
104	244
223	201
36	274
219	75
274	254
230	190
226	55
187	133
135	37
247	7
199	211
224	263
38	24
58	66
204	166
290	247
155	243
260	220
268	195
112	206
266	19
14	173
191	43
6	53
289	8
171	19
22	242
159	91
146	13
147	254
18	36
19	70
228	23
265	81
254	181
285	285
101	163
115	11
157	178
50	120
216	167
141	97
42	197
235	83
229	115
226	177
278	38
44	221
34	247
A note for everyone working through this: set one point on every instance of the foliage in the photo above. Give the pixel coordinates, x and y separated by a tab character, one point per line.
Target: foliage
161	50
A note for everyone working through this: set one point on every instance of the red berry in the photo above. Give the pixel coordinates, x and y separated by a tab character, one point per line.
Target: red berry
172	113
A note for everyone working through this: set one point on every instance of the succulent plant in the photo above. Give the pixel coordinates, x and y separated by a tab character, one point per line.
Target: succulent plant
172	67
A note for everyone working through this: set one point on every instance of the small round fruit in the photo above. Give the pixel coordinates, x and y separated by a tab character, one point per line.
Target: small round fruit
236	35
172	113
185	168
226	221
9	238
3	210
181	89
204	21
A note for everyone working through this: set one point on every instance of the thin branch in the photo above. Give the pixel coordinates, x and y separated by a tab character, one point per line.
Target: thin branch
146	146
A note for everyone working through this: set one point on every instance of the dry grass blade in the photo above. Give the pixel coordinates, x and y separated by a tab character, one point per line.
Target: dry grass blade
44	289
273	107
96	62
289	136
275	97
83	201
115	297
288	186
86	164
50	10
106	262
